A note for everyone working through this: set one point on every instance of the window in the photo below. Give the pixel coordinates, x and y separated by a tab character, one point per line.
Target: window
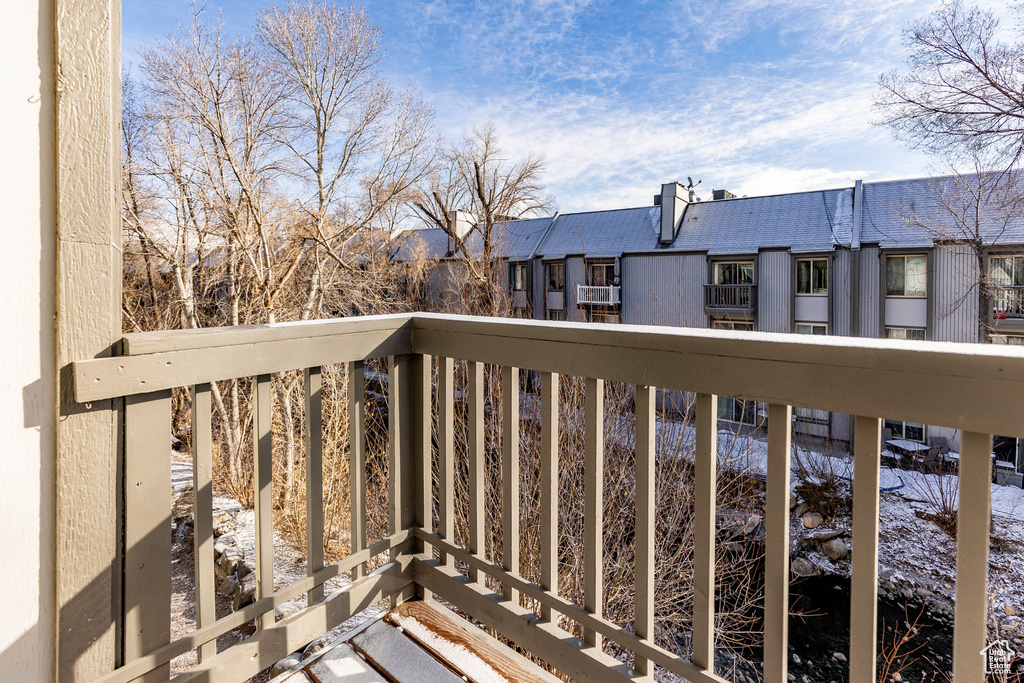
556	277
556	314
905	430
906	276
911	333
517	277
810	414
1010	339
601	316
730	325
602	274
734	273
812	276
737	410
1007	271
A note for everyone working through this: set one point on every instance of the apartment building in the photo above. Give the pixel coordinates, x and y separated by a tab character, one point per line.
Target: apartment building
878	260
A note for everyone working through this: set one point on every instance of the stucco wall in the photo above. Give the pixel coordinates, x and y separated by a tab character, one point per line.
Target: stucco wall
27	378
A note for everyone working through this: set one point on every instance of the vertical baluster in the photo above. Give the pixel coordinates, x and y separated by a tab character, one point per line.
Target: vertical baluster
510	476
705	473
312	389
263	492
477	519
593	507
549	487
446	450
970	629
776	563
147	530
423	476
357	461
401	406
202	514
864	583
645	504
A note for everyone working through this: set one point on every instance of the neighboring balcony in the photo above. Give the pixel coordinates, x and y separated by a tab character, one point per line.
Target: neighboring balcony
435	544
1008	303
731	301
595	295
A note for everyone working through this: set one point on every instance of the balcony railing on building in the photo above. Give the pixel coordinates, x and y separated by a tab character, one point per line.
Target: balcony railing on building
1008	302
596	295
969	387
739	300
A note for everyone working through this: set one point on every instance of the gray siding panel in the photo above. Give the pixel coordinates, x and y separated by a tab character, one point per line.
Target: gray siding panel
870	292
575	274
956	294
775	291
664	289
539	299
839	287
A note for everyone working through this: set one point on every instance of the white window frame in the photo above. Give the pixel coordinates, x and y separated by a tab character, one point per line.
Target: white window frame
812	328
902	430
740	325
604	265
903	333
885	276
1016	274
716	272
810	281
557	314
517	276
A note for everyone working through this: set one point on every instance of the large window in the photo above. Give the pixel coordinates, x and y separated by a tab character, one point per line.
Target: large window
730	325
911	333
734	273
906	276
737	410
556	314
517	276
556	277
602	274
905	430
811	328
1007	271
812	276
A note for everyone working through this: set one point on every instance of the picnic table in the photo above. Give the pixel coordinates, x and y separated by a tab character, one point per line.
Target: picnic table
911	449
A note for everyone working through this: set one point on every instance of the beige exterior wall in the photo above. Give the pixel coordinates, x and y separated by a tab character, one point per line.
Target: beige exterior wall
27	376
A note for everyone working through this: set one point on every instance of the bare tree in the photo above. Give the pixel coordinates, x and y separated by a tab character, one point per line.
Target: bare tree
476	175
963	92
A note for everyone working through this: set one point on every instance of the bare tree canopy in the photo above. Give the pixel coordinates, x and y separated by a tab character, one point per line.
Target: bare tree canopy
963	91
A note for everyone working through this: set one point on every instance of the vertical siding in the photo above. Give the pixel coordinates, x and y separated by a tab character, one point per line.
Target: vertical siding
539	302
664	289
774	291
575	274
956	311
870	292
839	287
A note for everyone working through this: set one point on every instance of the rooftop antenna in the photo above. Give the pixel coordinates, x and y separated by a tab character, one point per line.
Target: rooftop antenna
691	189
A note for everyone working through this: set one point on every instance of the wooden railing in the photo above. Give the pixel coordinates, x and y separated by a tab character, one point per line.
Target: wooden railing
736	298
912	381
598	295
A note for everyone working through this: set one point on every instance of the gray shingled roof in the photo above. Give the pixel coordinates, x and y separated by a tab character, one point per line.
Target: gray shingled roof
917	212
517	240
803	221
603	233
432	244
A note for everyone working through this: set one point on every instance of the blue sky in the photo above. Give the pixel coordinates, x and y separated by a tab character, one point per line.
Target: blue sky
754	96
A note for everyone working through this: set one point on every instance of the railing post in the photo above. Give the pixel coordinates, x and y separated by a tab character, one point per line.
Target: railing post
401	427
593	507
864	583
147	532
704	474
477	491
510	476
312	389
970	625
423	475
202	514
446	451
263	492
776	563
357	460
644	559
549	487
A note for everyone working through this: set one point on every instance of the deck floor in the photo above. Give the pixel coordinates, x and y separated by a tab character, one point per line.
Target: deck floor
416	642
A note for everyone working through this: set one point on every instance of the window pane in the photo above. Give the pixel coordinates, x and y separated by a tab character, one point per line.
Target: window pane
916	335
1018	271
803	277
804	329
917	276
1002	270
820	284
556	277
895	427
913	431
894	276
746	273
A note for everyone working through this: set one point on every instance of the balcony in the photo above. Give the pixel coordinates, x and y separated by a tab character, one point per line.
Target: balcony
594	295
1008	303
422	556
731	301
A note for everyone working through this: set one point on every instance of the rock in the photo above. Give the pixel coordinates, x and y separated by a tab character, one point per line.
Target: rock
224	542
839	656
246	591
229	560
245	567
812	520
835	549
801	566
283	665
286	610
907	593
897	678
792	501
923	591
222	517
1009	611
801	509
751	525
825	535
795	657
229	585
318	645
223	529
